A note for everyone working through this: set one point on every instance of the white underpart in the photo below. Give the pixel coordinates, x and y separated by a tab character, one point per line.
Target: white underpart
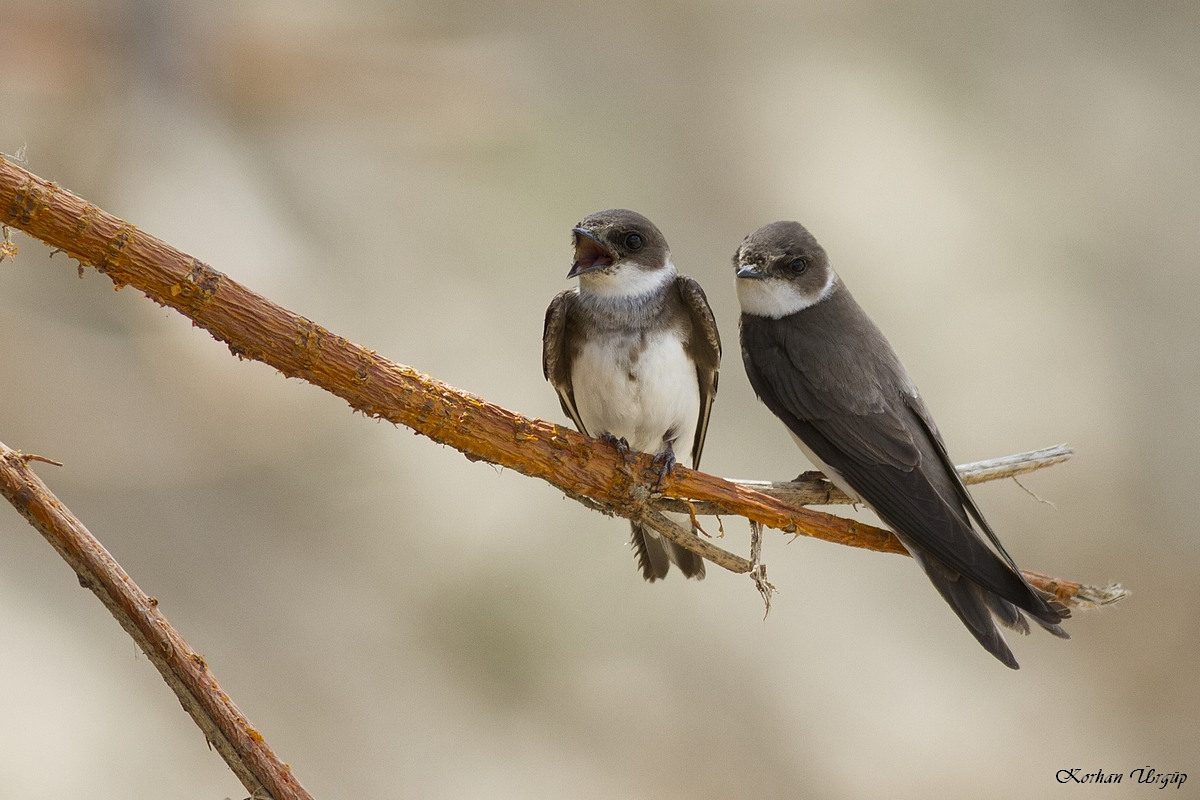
776	297
640	401
829	471
840	482
625	281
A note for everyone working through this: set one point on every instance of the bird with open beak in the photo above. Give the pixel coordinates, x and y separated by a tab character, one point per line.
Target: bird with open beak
633	354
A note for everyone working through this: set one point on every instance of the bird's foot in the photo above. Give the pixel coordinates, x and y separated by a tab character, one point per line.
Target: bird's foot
620	444
665	461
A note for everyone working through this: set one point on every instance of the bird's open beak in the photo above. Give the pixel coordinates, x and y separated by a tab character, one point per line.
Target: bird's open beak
750	271
590	254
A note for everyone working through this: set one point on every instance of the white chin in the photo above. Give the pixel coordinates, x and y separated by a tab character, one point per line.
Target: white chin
625	281
773	297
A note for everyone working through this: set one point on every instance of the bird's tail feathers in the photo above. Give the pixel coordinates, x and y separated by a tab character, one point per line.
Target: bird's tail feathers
978	609
1005	612
655	554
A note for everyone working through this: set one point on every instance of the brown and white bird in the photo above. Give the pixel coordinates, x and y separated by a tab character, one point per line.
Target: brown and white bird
633	353
819	363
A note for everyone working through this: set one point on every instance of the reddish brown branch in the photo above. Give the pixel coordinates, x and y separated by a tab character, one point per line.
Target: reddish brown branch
254	327
184	670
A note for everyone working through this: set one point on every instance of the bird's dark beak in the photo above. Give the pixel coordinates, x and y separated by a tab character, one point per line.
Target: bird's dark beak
590	254
750	271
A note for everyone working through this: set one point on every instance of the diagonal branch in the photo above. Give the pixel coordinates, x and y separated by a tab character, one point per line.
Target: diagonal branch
256	328
184	670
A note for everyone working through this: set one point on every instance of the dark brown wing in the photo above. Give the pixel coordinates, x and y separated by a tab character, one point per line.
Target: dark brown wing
921	414
556	355
704	345
873	430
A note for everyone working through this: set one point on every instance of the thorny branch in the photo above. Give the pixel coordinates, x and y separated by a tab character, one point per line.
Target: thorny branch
255	328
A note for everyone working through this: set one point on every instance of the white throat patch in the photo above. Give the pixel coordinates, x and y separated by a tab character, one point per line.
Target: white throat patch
775	297
625	281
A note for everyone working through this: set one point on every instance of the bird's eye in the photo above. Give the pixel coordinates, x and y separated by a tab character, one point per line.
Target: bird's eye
634	241
798	265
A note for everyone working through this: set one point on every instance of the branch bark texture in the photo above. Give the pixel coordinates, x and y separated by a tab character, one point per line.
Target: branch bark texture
256	328
184	670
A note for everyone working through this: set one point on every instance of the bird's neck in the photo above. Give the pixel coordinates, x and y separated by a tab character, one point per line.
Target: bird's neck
628	295
775	298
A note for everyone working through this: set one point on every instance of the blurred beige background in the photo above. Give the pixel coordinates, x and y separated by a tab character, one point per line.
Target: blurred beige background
1011	191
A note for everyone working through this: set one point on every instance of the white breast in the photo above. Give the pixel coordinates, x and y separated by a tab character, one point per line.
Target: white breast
640	387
